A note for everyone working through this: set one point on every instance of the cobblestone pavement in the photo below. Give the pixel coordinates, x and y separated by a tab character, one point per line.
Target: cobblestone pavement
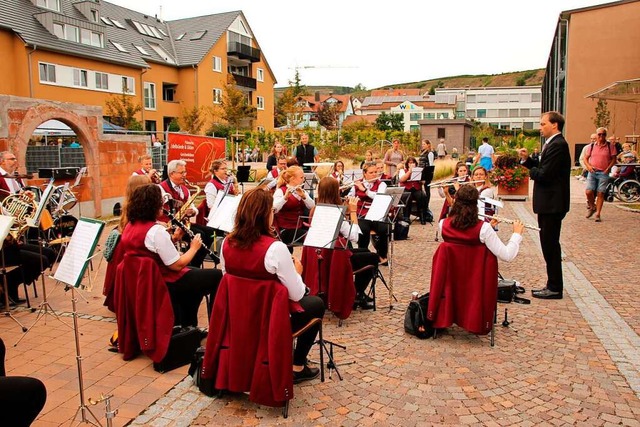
570	361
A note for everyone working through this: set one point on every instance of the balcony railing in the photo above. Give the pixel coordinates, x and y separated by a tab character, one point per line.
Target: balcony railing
243	51
245	81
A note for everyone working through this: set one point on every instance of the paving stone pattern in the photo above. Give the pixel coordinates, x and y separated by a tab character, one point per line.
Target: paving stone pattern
571	361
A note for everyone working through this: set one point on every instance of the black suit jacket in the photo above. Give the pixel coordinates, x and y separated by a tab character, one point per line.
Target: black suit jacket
528	163
551	188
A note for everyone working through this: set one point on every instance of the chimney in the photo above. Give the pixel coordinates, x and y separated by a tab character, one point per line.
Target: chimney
317	97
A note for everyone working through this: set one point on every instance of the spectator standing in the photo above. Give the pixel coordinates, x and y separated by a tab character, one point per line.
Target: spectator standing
485	155
599	159
393	158
535	156
441	149
305	153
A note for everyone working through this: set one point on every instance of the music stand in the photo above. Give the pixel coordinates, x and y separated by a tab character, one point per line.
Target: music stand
44	308
379	212
243	174
70	271
323	233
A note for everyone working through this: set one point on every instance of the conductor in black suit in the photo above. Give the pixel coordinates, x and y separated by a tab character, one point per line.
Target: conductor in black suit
551	199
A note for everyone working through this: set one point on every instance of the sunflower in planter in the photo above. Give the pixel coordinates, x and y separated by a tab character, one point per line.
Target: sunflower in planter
508	173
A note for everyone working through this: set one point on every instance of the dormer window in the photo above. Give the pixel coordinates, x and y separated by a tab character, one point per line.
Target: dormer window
49	4
77	35
95	16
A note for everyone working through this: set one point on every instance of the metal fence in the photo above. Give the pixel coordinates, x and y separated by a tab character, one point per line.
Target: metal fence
48	156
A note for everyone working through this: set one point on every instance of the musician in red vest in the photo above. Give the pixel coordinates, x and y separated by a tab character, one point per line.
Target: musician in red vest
175	187
472	237
365	190
290	203
412	190
251	251
20	253
220	181
143	236
146	168
272	176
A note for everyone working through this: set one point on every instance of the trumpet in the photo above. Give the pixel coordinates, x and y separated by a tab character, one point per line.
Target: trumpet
508	221
156	177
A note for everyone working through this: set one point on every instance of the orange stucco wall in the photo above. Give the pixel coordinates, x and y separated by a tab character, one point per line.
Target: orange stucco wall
604	47
193	85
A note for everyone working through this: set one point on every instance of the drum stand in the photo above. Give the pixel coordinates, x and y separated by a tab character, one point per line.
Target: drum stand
44	307
7	309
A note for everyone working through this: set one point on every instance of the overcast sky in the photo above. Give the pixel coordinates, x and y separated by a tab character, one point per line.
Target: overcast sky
353	41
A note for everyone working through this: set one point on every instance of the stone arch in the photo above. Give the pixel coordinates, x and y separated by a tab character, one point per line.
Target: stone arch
83	120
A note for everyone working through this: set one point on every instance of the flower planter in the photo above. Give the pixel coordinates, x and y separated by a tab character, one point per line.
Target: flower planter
520	193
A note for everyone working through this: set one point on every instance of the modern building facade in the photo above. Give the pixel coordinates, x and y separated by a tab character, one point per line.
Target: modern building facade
594	47
413	107
86	51
516	107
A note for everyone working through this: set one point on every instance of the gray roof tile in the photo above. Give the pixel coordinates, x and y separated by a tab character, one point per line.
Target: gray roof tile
18	16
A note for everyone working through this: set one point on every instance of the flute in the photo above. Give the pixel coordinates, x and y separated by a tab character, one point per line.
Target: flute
450	183
508	221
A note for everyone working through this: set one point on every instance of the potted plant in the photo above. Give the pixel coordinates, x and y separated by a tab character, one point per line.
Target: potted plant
511	178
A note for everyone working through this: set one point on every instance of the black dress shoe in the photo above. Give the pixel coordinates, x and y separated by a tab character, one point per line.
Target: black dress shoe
547	294
306	374
533	291
365	305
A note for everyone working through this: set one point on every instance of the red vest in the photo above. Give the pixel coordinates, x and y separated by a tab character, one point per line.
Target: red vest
4	187
411	185
132	241
248	263
365	201
287	217
168	188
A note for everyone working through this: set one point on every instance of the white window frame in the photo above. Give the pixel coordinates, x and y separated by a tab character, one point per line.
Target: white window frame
142	50
119	47
260	102
102	80
49	72
80	77
150	100
58	30
118	24
128	85
260	75
217	64
49	4
217	96
72	30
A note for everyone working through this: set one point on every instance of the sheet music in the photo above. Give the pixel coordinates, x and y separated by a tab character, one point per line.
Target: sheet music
76	256
6	222
325	226
81	173
416	174
353	174
379	208
223	218
44	201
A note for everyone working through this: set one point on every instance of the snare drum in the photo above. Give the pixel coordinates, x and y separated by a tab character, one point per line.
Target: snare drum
62	200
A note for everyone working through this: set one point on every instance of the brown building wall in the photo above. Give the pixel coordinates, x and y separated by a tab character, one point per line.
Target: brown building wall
604	47
457	135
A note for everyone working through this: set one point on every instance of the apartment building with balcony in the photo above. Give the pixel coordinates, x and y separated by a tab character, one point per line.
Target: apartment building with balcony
85	51
516	107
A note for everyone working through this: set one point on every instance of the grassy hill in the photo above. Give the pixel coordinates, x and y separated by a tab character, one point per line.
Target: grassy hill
516	78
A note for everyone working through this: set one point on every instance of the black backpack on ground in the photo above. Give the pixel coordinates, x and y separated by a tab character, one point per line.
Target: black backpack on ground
415	318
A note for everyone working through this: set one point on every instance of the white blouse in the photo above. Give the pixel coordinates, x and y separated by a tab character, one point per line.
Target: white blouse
490	238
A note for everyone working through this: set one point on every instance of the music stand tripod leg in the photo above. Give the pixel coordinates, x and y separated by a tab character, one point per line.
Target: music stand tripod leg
7	307
44	307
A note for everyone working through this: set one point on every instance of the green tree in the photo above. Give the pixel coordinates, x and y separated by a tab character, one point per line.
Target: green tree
289	106
234	108
390	121
603	116
123	110
193	119
329	115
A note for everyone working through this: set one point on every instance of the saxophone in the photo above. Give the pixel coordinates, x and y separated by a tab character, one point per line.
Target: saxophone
182	212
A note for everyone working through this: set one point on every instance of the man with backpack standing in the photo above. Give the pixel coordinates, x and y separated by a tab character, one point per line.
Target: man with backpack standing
599	159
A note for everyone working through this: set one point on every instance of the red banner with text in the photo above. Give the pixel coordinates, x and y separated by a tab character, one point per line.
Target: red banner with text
198	151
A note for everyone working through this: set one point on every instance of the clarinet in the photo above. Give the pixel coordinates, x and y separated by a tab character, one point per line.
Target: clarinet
189	233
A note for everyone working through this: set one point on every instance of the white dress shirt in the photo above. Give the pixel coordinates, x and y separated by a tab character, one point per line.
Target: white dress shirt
278	261
490	238
158	241
279	200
